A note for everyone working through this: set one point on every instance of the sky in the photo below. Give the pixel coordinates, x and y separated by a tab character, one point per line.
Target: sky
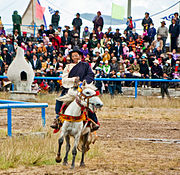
139	7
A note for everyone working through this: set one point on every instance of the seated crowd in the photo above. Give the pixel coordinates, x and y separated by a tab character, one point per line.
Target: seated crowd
111	54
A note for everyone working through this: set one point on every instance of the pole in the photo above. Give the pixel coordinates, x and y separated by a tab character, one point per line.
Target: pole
43	113
129	8
136	84
32	11
9	121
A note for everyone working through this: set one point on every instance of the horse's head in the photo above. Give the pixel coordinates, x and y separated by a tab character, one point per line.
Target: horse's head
88	96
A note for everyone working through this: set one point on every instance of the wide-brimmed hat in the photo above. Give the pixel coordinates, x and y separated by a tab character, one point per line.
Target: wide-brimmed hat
163	22
38	71
75	50
87	59
6	49
114	59
170	53
51	67
67	26
106	50
156	61
144	56
101	62
124	43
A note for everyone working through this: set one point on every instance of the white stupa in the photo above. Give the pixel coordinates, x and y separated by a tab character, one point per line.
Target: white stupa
21	74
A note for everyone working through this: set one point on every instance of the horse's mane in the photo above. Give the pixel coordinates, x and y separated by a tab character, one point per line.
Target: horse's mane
72	93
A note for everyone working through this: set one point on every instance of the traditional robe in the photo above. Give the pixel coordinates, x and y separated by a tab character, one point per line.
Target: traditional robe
81	70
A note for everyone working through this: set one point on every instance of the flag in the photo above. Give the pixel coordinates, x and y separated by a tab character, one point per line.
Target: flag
39	11
118	11
51	11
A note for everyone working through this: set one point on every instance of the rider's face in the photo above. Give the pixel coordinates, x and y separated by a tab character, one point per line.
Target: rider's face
75	57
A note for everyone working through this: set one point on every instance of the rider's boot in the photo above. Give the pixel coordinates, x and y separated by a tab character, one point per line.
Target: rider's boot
56	123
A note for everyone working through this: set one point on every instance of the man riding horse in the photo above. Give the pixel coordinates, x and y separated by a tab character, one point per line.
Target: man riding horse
73	74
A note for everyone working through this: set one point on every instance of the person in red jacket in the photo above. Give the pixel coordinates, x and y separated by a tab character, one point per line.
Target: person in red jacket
56	41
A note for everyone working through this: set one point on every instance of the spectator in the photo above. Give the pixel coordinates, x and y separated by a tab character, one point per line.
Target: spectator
163	32
77	22
144	71
56	41
98	21
41	49
67	30
17	21
84	50
164	86
114	65
151	33
9	46
60	33
174	33
167	69
157	43
99	84
134	35
36	63
118	84
112	84
106	68
170	57
98	49
176	16
117	36
24	38
156	72
146	21
135	68
86	33
118	50
66	40
55	20
109	33
41	30
130	24
50	31
2	31
6	56
94	42
99	33
106	56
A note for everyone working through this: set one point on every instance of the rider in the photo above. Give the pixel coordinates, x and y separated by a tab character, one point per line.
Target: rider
75	72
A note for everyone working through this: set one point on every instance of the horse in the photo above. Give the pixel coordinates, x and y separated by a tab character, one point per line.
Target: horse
87	98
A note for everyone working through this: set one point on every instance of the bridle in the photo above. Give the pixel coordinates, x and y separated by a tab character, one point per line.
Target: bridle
82	97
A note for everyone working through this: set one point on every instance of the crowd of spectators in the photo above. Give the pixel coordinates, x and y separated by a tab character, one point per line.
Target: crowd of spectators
112	54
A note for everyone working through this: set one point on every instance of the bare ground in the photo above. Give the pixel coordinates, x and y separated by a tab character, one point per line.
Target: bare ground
118	150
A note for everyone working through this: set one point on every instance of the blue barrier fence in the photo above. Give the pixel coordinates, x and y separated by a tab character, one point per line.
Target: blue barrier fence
7	104
136	80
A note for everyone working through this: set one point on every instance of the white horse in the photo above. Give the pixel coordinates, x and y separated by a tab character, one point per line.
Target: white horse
86	98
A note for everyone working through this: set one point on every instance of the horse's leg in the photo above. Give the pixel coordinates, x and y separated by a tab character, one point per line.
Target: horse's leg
67	150
60	141
74	151
85	139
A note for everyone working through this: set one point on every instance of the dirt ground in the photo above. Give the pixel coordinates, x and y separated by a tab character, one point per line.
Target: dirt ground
122	145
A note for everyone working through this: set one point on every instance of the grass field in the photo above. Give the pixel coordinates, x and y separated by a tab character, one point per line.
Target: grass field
117	150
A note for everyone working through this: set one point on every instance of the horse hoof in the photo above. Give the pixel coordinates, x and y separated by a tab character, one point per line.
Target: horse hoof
72	167
65	163
58	159
82	164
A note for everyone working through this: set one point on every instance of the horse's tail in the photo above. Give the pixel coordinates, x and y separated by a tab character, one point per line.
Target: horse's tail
90	139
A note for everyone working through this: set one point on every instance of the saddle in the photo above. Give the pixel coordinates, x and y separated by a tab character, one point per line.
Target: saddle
62	117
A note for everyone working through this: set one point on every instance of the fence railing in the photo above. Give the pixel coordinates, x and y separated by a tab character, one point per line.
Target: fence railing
136	80
9	105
